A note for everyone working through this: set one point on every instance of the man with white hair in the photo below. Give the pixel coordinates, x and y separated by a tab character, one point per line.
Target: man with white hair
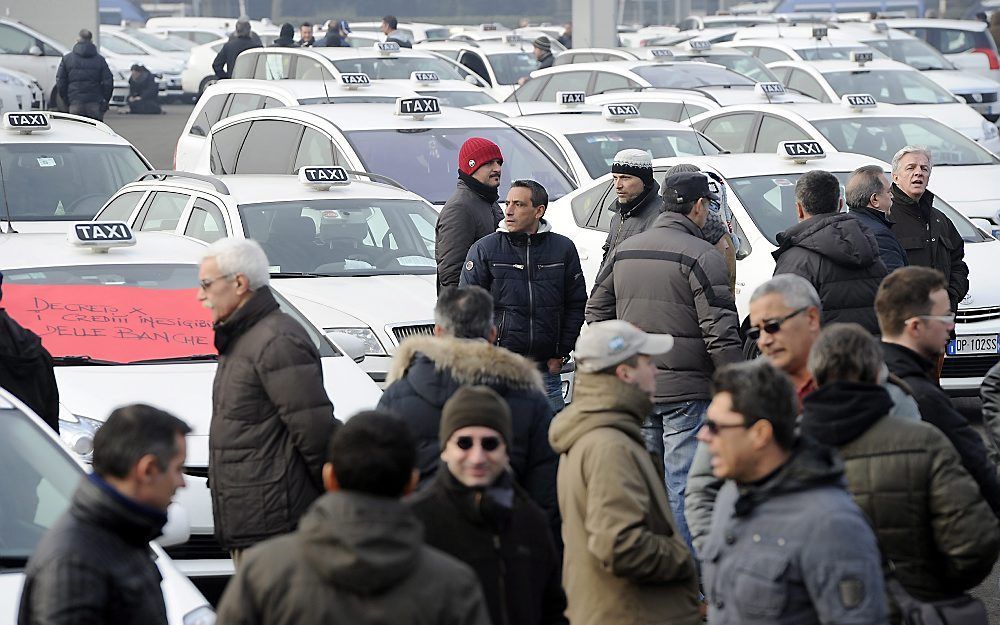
927	235
271	417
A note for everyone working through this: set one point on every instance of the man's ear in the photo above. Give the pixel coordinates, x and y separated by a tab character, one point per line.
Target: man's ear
800	212
330	482
412	484
494	333
146	469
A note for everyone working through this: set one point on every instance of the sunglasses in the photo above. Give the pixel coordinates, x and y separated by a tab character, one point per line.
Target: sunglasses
772	326
488	443
715	427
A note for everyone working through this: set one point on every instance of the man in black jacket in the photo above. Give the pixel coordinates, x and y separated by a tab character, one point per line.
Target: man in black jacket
914	312
26	369
543	52
388	28
638	203
471	212
927	235
833	251
426	372
143	92
475	512
94	565
538	289
242	40
271	417
869	196
84	80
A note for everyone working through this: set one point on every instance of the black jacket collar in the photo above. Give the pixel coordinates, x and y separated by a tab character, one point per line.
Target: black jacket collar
905	363
645	199
260	305
811	465
488	194
924	205
490	506
839	412
96	502
874	213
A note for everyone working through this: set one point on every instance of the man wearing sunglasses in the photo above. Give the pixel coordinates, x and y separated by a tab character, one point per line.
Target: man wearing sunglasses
833	251
914	311
475	511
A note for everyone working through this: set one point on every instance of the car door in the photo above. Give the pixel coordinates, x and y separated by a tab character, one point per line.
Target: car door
21	51
163	211
734	132
207	221
270	147
122	208
801	81
773	130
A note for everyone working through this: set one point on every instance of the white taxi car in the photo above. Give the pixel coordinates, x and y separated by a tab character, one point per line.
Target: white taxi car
42	474
966	43
500	64
965	173
56	168
198	74
125	326
166	68
355	258
692	50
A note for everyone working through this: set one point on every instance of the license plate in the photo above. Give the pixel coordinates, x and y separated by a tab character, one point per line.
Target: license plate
973	344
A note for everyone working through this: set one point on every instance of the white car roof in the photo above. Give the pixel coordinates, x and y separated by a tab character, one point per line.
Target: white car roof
351	117
24	250
514	109
801	43
66	128
970	25
589	121
748	165
652	95
810	112
824	67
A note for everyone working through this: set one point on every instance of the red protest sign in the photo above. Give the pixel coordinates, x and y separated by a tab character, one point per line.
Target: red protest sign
117	323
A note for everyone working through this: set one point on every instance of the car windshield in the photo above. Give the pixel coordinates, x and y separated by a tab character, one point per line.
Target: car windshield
460	98
914	52
688	76
436	33
425	160
397	67
63	182
116	45
597	149
770	201
39	481
821	52
351	237
163	43
890	86
875	137
744	64
511	67
348	99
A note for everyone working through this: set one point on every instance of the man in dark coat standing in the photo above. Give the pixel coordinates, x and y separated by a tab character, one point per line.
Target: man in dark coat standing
26	369
285	38
638	203
242	40
476	512
94	565
271	417
833	251
84	80
869	196
143	92
471	212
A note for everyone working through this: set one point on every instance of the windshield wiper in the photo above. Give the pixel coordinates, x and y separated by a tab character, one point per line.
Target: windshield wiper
192	358
86	361
13	562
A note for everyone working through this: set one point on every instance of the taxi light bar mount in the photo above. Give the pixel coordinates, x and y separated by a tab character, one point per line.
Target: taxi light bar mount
100	236
800	151
25	122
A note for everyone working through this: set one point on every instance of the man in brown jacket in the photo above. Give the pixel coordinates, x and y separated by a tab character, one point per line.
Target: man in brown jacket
625	562
271	416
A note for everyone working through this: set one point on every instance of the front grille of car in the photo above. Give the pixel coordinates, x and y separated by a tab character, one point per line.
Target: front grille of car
405	332
198	547
968	366
972	315
978	98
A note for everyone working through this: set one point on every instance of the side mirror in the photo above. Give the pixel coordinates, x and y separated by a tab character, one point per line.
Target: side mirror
177	531
35	51
350	346
985	226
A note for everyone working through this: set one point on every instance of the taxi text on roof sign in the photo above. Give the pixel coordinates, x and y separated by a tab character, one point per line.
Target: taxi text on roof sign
859	57
386	47
424	77
25	122
658	53
323	177
819	32
488	27
101	235
571	97
417	107
620	112
859	101
700	44
771	88
355	79
800	151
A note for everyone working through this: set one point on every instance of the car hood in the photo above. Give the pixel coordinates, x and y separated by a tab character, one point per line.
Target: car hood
974	190
984	283
957	81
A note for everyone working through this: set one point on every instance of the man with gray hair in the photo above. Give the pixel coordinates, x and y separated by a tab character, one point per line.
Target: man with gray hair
870	200
427	370
927	235
271	416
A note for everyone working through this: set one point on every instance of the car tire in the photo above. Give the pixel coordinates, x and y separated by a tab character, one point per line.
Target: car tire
208	80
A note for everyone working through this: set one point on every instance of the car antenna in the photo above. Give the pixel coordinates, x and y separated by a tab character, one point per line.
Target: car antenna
326	92
520	113
6	204
697	135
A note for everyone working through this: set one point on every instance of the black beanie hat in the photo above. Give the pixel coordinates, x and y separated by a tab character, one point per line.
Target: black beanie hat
475	405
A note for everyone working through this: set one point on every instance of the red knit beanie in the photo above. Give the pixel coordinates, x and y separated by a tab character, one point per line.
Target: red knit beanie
475	153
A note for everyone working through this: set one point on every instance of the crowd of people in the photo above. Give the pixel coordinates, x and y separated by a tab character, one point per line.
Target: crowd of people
804	468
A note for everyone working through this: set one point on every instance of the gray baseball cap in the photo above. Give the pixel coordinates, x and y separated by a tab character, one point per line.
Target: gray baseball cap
607	343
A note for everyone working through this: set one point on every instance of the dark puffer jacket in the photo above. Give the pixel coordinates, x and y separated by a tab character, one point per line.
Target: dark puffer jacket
926	510
839	257
936	408
426	371
632	219
470	214
226	58
271	421
500	533
84	77
669	280
538	289
94	565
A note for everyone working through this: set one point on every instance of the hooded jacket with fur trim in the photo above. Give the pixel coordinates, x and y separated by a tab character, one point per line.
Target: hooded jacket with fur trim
427	370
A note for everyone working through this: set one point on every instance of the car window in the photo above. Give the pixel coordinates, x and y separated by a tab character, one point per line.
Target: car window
748	66
802	82
269	147
834	53
730	131
206	222
315	149
890	86
203	38
914	52
512	67
15	41
550	147
273	66
163	211
597	149
873	137
565	81
770	55
955	41
311	69
528	92
588	208
243	102
773	130
272	103
226	144
120	208
670	111
210	113
451	54
606	81
245	65
115	45
689	75
475	63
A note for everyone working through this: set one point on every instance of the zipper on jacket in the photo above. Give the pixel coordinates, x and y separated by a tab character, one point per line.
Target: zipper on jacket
531	300
503	318
505	619
513	265
550	265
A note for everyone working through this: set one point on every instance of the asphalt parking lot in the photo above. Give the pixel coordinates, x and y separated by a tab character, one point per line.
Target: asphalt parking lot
154	135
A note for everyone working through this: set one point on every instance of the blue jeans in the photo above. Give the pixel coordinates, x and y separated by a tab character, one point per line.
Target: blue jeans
670	432
553	391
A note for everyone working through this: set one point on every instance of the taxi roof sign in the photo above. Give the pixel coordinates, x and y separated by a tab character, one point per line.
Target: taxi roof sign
323	177
769	89
620	112
800	151
861	57
488	27
820	32
417	108
424	77
700	45
513	39
101	236
880	27
571	98
25	123
386	48
660	54
354	80
859	101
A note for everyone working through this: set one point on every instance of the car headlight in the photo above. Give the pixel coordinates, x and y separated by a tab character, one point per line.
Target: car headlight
990	130
200	616
373	347
78	433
